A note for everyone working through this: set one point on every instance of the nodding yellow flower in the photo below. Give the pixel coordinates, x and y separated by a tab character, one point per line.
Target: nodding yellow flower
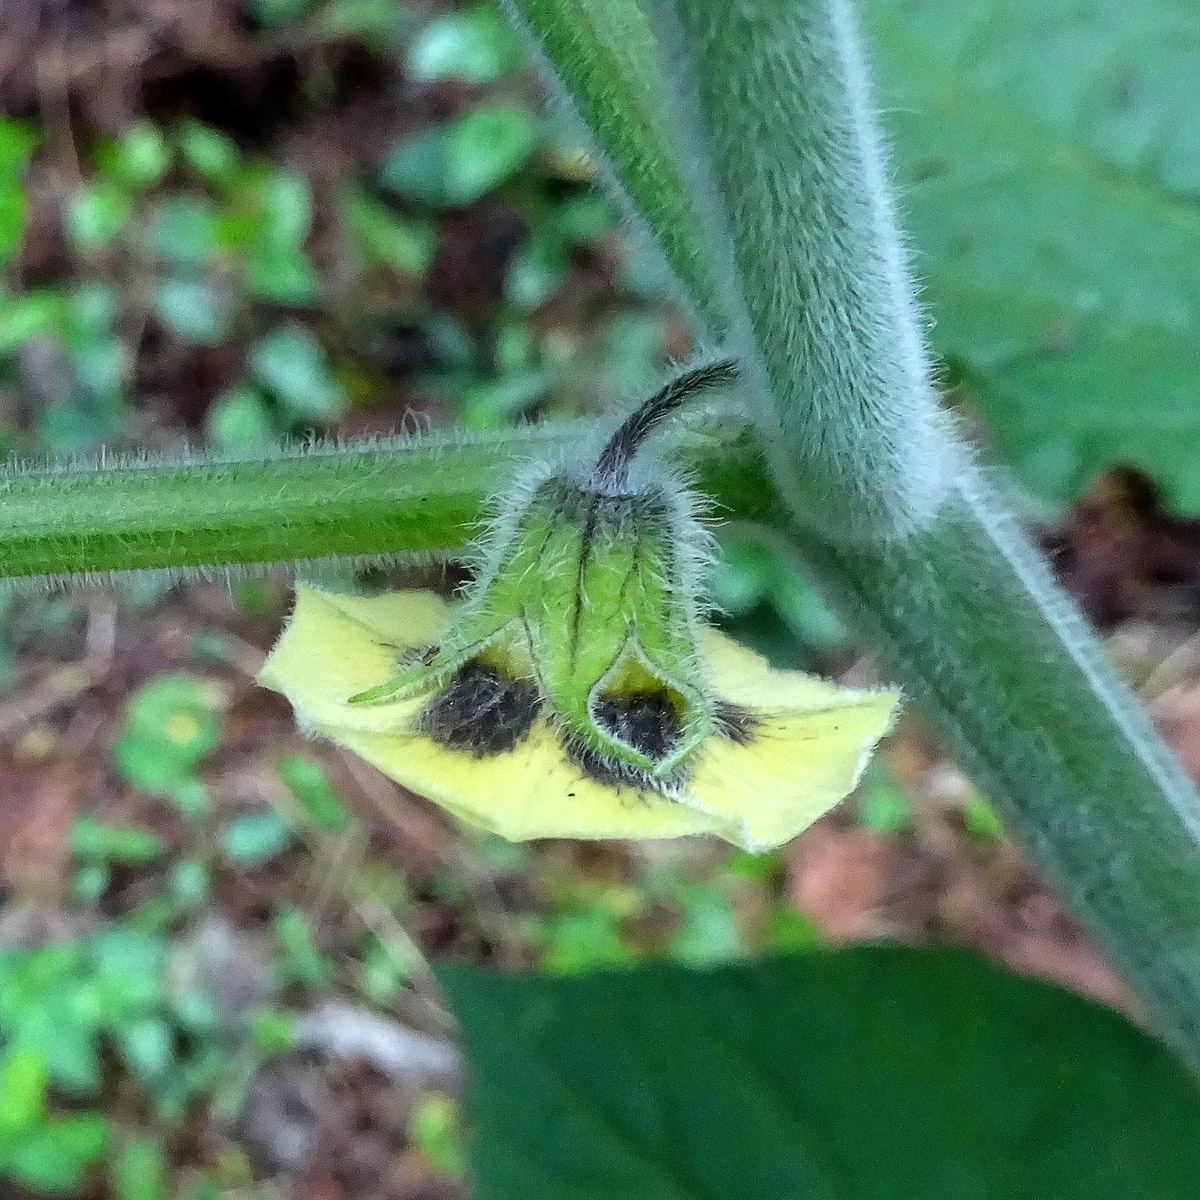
576	691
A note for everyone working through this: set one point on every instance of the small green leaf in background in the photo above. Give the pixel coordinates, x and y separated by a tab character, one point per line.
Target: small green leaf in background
171	723
17	141
457	163
292	364
53	1156
252	839
277	266
140	1171
435	1130
402	243
23	1080
209	152
142	156
96	213
95	842
240	419
476	45
305	778
273	13
192	308
867	1074
183	230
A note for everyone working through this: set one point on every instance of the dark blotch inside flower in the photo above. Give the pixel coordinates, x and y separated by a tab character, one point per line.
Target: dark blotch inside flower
480	710
647	721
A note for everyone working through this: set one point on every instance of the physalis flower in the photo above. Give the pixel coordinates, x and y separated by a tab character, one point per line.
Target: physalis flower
576	690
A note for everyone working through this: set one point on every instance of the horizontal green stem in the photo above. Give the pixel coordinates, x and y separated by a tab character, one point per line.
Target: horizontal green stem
399	496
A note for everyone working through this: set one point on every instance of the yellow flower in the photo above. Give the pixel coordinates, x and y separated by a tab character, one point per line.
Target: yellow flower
781	750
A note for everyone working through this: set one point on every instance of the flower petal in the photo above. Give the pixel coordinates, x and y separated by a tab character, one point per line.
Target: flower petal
531	791
335	646
793	769
808	742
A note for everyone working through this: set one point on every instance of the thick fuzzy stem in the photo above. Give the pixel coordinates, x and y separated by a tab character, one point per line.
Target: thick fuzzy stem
370	501
774	121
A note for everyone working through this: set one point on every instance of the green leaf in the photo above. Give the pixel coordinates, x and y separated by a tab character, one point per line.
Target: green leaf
95	842
140	1171
193	308
147	1047
868	1074
23	1079
255	838
455	164
183	230
17	141
240	419
143	155
170	725
292	363
34	314
53	1157
307	781
96	213
475	45
404	244
209	152
1050	165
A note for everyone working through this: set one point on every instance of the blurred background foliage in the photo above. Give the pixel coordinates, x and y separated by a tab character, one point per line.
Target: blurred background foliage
226	222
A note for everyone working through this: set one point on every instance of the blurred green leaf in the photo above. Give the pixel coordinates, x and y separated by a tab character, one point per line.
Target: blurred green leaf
1050	164
291	363
707	930
866	1074
147	1046
252	839
96	213
32	315
457	163
980	818
302	961
474	44
140	1171
882	805
93	841
183	230
240	419
436	1131
209	152
274	13
142	155
23	1080
537	270
190	882
17	141
171	723
375	21
309	785
402	243
194	309
53	1156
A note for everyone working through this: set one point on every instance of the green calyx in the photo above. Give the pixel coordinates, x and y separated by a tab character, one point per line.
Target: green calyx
586	601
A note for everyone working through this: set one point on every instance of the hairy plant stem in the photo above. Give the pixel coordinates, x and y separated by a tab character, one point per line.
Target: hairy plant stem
363	502
966	610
